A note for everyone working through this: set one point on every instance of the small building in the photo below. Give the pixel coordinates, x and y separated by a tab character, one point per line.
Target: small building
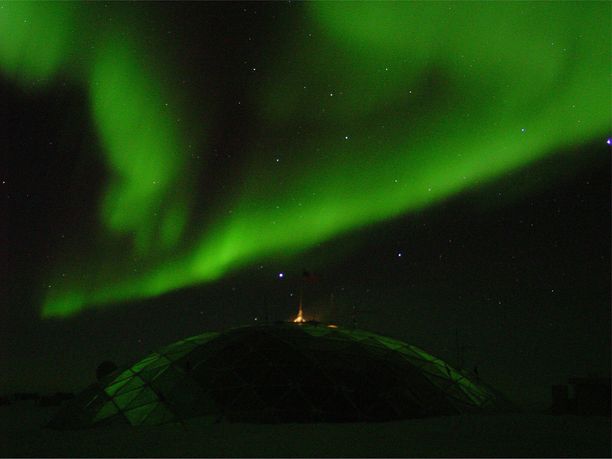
582	396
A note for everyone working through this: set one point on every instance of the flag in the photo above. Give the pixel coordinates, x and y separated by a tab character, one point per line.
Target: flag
308	276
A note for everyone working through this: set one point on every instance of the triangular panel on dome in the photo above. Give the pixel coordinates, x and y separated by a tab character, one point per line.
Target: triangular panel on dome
203	337
108	409
152	372
137	416
166	380
144	362
317	331
135	382
122	401
144	397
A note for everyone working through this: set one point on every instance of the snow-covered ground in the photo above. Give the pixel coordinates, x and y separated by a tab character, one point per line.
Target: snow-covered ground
525	435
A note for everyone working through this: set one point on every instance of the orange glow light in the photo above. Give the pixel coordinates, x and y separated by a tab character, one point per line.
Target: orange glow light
300	317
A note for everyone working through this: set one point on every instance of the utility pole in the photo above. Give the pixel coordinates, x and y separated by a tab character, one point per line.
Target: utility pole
457	356
460	350
361	311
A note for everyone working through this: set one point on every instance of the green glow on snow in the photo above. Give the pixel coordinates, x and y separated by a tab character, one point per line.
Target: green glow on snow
411	103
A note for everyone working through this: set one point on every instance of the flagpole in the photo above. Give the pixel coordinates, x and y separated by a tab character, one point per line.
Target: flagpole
300	309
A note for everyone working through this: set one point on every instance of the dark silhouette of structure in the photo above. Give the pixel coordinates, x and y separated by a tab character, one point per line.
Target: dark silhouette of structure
285	372
55	399
583	396
23	396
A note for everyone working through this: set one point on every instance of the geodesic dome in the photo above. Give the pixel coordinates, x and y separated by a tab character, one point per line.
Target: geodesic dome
285	372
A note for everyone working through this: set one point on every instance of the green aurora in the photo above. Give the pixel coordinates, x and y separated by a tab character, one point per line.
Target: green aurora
411	104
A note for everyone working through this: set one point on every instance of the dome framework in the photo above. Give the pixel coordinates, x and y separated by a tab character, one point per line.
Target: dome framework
286	372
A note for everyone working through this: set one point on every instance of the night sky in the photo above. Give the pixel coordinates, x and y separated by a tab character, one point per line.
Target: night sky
442	169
